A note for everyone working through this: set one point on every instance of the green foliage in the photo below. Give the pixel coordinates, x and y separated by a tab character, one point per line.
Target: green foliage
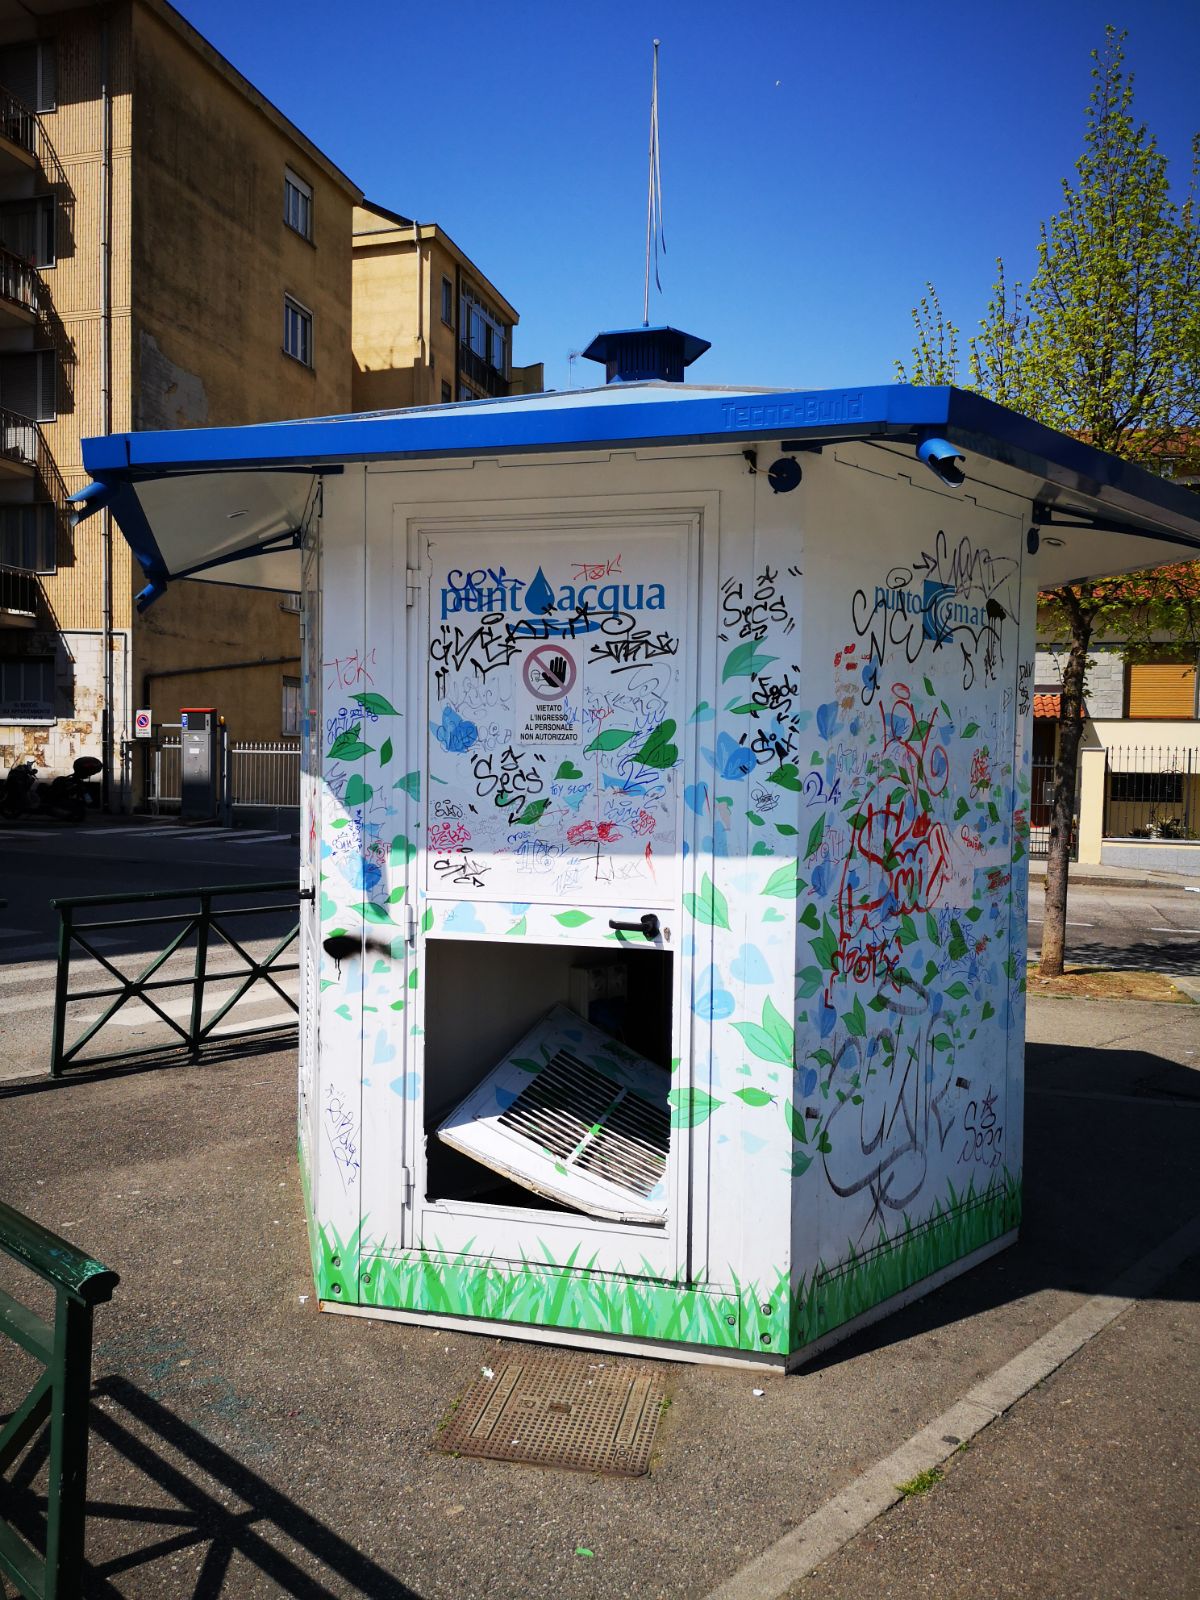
922	1483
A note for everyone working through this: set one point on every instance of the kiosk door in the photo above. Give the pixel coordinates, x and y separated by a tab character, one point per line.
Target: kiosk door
560	679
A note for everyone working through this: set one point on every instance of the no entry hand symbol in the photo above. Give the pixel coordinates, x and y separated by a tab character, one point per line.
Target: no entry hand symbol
549	672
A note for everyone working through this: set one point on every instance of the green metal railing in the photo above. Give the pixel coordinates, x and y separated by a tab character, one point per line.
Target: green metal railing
60	1396
204	922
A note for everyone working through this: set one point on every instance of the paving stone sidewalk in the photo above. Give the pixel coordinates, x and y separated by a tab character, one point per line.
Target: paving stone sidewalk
244	1444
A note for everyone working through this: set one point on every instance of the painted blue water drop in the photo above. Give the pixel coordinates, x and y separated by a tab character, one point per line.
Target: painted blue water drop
539	597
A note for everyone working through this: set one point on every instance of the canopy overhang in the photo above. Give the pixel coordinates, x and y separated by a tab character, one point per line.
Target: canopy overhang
230	504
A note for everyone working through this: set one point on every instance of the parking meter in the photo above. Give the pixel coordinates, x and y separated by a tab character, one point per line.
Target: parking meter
200	763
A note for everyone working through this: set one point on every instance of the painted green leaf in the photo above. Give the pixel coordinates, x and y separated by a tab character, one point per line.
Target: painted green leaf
794	1118
328	906
572	919
761	848
786	829
783	883
567	771
396	896
787	777
691	1107
410	783
349	746
908	930
774	1041
378	703
745	660
427	919
961	808
699	714
929	689
610	739
931	928
414	978
855	1020
531	813
809	917
808	982
754	1097
356	792
941	1041
658	751
709	906
397	1005
800	1163
402	851
971	729
989	1010
823	1144
518	929
816	834
974	914
340	822
754	819
385	752
344	1011
375	913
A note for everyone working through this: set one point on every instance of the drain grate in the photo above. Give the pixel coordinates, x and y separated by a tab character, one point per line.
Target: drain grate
593	1416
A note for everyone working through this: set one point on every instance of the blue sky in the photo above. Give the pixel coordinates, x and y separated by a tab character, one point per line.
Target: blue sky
819	162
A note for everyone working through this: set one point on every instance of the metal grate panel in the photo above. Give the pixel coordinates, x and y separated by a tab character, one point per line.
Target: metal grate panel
573	1412
587	1120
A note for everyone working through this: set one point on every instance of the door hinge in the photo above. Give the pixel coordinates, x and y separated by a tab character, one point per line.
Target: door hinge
412	580
410	923
406	1186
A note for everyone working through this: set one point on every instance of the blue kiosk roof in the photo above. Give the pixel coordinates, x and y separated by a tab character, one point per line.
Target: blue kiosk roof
238	523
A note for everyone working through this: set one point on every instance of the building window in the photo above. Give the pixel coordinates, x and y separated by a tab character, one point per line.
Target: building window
27	228
27	688
29	384
28	537
297	203
1160	689
297	331
291	708
28	72
447	302
483	332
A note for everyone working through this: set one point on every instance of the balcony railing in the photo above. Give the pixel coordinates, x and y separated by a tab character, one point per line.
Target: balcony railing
18	281
21	439
481	373
23	127
18	592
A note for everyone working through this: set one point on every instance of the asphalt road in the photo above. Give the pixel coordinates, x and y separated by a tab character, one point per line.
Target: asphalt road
1152	928
41	863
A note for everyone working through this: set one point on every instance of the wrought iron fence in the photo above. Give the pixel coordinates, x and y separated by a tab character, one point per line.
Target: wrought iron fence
266	773
59	1397
197	932
18	280
1041	797
1150	792
19	590
164	774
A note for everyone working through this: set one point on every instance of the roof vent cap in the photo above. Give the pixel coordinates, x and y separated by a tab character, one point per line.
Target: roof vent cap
640	355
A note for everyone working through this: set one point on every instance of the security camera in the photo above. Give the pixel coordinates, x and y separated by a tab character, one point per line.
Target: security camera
944	460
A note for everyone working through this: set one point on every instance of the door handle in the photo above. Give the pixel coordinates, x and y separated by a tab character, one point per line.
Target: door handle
646	925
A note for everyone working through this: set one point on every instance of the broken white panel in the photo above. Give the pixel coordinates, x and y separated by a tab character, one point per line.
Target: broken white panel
574	1116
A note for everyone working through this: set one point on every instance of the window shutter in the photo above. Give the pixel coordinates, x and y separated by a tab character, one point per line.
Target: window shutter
1160	689
572	1115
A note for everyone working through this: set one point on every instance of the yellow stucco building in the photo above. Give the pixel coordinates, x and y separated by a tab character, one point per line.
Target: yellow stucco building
174	252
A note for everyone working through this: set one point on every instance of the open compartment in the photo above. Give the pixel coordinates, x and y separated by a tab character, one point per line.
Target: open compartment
547	1069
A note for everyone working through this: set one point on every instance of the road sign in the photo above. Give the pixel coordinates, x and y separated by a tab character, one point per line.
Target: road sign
141	723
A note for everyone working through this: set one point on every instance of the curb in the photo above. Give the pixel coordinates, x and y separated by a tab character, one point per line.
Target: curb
821	1535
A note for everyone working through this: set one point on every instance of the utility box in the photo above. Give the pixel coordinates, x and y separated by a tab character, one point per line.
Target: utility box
666	788
199	763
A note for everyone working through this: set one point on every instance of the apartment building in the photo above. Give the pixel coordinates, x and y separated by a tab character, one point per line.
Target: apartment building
174	252
429	328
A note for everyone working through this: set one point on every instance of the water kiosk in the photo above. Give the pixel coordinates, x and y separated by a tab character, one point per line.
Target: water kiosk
665	805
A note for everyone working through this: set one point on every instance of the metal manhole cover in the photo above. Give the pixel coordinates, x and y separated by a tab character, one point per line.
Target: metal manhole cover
590	1415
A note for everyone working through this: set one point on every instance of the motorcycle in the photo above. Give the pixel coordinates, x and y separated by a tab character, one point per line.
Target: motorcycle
64	798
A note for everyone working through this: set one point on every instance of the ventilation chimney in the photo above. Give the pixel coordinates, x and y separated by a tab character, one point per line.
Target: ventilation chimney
638	355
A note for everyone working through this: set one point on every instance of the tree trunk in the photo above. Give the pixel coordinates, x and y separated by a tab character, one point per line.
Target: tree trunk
1062	806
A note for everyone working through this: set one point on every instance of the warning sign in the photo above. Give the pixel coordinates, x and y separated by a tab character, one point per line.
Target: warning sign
141	723
549	672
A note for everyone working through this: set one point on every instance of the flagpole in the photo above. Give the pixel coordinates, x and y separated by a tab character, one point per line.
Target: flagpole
653	164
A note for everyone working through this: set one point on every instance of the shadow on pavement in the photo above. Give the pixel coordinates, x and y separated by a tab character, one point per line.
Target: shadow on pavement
198	1496
233	1048
1165	955
1109	1173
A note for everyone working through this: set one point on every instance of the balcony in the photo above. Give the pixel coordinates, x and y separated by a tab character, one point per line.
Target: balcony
18	137
480	372
19	592
24	454
20	298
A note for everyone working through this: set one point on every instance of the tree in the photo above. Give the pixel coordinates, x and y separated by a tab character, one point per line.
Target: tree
1105	344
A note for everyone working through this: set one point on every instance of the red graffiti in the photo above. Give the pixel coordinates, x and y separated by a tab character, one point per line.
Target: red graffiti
593	833
644	824
448	836
981	772
899	858
971	840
